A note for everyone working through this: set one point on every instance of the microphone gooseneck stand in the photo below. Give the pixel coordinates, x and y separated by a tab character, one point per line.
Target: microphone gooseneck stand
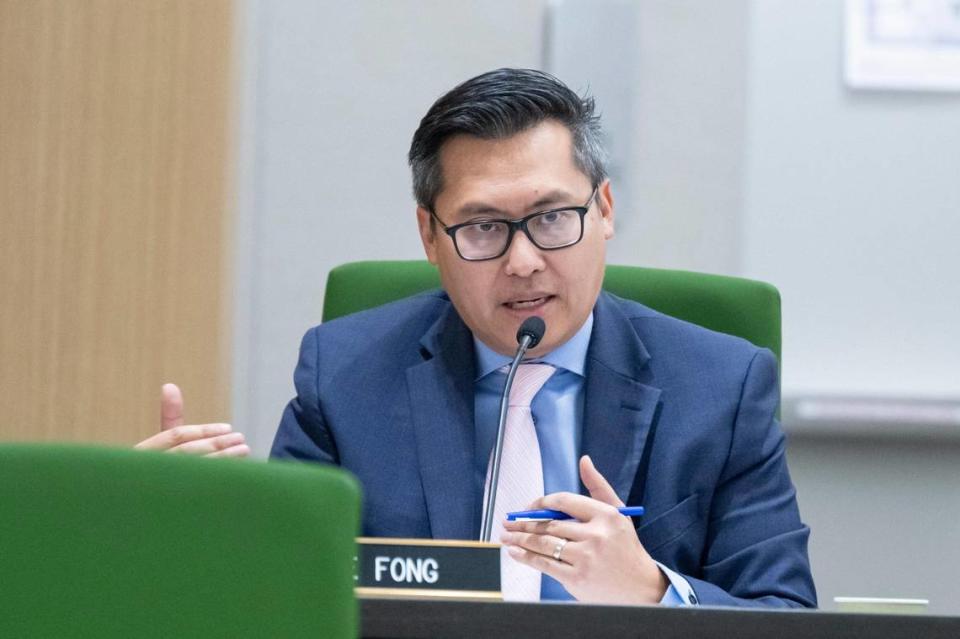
529	335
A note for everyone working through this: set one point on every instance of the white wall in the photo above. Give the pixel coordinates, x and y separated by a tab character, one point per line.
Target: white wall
688	128
853	210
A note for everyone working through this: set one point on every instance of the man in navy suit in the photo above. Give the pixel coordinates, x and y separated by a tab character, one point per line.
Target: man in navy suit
515	208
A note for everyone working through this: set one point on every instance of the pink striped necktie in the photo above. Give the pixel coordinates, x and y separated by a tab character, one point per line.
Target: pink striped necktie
521	477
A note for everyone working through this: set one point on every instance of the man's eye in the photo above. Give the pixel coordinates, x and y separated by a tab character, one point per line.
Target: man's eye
487	227
550	218
554	218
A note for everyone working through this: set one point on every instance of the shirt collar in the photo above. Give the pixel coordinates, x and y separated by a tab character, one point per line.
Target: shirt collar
571	355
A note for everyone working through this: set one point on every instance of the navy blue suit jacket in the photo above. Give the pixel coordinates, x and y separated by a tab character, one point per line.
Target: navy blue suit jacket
676	417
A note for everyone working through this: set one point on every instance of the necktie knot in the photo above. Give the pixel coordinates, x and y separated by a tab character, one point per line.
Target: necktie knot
527	382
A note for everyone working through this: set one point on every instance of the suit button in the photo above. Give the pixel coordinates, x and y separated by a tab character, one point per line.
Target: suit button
692	599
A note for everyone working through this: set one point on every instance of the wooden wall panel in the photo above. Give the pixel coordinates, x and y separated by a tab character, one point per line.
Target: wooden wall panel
113	214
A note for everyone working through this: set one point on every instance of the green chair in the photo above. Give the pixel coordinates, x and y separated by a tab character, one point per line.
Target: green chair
99	542
733	305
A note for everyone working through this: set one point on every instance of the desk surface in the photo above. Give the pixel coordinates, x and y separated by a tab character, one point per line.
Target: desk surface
409	619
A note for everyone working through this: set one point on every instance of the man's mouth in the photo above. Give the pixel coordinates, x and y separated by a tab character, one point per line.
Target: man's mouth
528	303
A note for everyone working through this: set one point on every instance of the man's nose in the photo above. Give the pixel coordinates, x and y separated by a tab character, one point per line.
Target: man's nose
523	257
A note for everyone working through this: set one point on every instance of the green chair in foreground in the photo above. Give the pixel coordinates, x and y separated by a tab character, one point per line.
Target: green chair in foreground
737	306
101	542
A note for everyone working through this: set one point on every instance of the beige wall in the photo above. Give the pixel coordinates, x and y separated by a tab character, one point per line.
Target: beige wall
113	226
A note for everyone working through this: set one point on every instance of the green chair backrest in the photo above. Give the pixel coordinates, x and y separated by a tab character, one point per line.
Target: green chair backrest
733	305
99	542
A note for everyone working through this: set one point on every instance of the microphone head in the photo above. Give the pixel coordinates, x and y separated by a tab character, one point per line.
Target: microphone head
533	327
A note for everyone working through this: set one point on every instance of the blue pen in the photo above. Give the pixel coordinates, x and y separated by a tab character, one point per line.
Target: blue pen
535	515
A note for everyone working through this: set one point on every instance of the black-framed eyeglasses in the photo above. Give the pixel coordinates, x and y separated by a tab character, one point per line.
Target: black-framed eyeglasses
547	230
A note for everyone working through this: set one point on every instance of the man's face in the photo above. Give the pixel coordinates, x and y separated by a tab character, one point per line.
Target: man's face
510	178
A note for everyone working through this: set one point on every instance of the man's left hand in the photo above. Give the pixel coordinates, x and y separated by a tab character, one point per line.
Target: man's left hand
602	560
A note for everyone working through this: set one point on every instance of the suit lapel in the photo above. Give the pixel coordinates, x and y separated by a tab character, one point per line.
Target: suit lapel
441	399
618	408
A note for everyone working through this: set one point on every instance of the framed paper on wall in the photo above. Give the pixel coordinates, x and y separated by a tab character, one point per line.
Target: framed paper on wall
909	45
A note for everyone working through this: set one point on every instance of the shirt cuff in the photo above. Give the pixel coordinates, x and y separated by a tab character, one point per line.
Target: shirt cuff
679	593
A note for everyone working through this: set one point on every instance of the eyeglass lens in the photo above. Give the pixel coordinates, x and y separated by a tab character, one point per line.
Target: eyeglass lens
552	229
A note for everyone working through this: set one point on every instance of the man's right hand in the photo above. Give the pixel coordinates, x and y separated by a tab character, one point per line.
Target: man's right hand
211	440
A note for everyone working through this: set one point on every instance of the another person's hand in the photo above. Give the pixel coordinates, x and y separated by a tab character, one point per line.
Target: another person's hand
211	440
602	560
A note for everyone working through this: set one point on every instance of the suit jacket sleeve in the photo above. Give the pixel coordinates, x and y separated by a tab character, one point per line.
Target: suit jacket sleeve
303	432
757	546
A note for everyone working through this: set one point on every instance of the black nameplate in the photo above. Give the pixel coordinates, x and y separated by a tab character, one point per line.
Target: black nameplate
428	567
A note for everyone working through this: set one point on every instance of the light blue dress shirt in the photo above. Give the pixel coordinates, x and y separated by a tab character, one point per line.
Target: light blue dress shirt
558	417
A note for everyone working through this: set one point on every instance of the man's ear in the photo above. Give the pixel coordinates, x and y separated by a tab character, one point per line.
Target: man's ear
605	203
427	234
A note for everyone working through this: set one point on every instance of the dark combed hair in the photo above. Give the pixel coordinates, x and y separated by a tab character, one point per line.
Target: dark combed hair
497	105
